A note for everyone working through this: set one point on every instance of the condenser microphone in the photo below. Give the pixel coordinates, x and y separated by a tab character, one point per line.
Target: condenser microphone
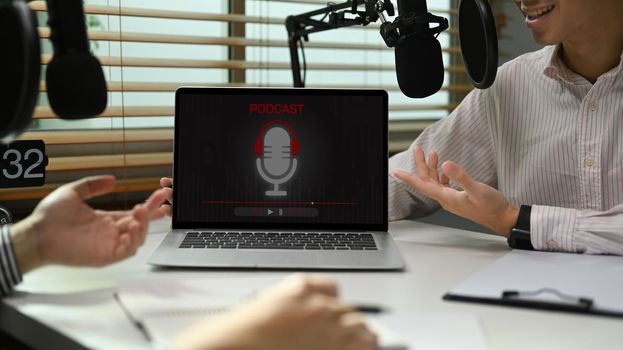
75	80
419	63
276	148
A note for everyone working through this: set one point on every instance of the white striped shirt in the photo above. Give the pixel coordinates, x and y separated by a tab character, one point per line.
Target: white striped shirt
9	271
544	136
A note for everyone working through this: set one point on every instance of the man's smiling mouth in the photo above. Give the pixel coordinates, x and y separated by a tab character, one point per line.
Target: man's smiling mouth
532	14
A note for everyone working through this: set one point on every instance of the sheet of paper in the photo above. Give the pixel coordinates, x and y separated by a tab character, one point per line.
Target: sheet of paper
165	305
434	331
163	295
596	277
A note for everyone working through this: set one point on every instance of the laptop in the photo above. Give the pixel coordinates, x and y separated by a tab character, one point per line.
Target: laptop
280	179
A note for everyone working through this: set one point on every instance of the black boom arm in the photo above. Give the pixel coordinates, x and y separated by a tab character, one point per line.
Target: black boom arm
333	16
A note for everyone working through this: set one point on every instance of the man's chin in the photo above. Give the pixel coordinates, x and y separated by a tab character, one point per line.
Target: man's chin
544	40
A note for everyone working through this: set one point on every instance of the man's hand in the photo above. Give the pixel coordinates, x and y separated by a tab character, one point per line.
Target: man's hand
301	313
477	201
166	183
63	229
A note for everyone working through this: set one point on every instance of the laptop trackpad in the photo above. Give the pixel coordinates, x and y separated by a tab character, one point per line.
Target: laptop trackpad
281	258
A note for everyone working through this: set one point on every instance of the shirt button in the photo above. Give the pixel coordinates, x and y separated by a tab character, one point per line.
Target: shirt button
551	244
593	106
589	161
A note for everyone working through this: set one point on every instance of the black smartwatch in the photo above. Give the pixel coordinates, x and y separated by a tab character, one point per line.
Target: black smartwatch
519	237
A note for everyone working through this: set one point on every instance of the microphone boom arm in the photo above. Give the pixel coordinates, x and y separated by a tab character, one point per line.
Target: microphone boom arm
300	26
393	33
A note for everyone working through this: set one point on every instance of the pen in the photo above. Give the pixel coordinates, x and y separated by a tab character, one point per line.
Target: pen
369	309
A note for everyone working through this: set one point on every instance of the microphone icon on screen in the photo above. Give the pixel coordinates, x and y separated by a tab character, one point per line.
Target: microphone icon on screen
276	148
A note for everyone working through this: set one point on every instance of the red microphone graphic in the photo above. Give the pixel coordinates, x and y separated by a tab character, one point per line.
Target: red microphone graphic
276	148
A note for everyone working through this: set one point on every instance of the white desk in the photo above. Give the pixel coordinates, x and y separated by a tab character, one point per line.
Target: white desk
79	304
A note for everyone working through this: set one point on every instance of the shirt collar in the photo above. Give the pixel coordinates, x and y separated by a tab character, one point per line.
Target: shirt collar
551	62
556	69
619	70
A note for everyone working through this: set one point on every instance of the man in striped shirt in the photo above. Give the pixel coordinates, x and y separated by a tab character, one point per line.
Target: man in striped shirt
542	149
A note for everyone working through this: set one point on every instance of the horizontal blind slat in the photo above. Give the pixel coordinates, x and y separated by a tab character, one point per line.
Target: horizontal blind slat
109	161
83	137
188	15
146	184
167	14
44	32
151	111
129	111
324	3
421	107
231	64
129	86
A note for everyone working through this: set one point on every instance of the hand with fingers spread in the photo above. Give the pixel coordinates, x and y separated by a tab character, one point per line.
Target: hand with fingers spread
166	184
301	313
63	229
476	201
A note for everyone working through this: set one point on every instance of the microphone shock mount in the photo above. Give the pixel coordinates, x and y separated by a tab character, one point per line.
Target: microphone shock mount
345	15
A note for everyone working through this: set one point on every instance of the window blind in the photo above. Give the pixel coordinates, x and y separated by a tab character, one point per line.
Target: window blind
149	48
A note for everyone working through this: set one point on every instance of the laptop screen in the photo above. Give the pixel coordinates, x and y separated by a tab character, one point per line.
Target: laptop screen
280	158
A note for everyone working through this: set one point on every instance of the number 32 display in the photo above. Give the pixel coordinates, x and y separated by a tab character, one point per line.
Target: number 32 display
22	164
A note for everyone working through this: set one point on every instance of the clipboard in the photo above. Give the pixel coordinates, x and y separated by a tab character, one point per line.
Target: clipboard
559	282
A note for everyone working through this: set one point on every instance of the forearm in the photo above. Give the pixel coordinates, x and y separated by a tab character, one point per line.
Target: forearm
23	237
230	331
9	271
464	137
577	231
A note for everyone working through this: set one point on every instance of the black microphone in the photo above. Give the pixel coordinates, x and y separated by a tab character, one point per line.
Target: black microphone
419	63
75	79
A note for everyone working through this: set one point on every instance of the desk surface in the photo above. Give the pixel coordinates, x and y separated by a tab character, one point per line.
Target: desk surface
79	302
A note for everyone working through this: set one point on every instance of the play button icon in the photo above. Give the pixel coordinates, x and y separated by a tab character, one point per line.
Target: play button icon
269	212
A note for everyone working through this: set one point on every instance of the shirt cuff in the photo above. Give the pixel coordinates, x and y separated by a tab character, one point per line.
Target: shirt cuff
10	275
553	228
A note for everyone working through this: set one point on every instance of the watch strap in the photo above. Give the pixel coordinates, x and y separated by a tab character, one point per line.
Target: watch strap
519	237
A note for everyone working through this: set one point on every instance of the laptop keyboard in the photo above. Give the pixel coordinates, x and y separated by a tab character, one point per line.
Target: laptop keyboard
278	240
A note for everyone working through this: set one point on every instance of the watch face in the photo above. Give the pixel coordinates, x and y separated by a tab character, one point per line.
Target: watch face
521	233
5	216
